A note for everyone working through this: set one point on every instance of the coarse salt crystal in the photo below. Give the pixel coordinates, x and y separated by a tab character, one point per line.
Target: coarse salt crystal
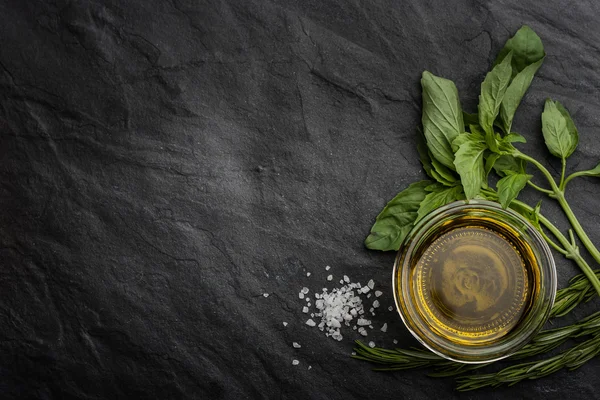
369	296
363	322
301	295
346	279
309	367
376	303
362	331
395	341
364	289
308	274
327	268
371	344
390	308
296	345
341	281
295	362
266	294
384	327
305	310
371	284
305	290
378	293
310	322
330	277
285	324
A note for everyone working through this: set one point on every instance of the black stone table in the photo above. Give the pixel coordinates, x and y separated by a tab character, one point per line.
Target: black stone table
165	163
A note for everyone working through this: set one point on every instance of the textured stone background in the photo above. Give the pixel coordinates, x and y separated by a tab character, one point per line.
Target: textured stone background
164	163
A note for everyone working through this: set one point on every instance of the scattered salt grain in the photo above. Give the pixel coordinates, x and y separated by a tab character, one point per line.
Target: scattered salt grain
371	284
341	281
371	310
371	344
295	362
266	295
305	290
307	299
308	274
301	295
395	341
362	331
376	304
305	310
327	268
309	367
310	322
364	289
354	327
384	327
353	353
346	279
308	304
312	315
363	322
369	296
378	293
285	324
390	308
330	277
296	345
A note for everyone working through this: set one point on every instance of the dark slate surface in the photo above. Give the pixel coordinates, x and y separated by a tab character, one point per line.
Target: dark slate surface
165	163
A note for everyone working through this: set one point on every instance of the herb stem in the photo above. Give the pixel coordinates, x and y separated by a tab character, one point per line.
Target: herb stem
572	251
559	195
540	189
562	173
573	175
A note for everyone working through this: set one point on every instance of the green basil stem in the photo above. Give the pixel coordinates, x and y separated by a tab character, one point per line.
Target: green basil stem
559	195
573	175
569	248
562	172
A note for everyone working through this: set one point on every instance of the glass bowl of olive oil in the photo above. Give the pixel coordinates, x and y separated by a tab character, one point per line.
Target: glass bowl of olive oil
474	282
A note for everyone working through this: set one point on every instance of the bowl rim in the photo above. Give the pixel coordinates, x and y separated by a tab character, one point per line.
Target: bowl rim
549	267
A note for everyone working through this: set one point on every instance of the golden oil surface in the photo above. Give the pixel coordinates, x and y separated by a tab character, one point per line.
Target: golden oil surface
472	284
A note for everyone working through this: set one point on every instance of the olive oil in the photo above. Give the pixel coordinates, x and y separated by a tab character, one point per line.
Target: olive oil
473	280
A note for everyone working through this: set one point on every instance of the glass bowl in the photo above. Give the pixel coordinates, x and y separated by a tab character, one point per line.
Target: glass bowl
474	282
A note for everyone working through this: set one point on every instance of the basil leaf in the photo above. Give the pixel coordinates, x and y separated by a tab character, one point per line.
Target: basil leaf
493	89
469	163
510	186
397	218
527	48
507	164
560	137
440	198
442	116
570	124
424	155
514	137
515	92
470	119
490	161
447	175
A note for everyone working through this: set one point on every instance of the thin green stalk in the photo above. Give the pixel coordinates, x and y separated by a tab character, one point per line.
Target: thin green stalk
540	189
562	172
571	248
559	195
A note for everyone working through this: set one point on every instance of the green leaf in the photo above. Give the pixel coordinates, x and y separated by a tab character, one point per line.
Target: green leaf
561	137
514	138
527	48
515	92
442	116
440	198
469	164
424	154
493	89
510	186
570	124
397	218
446	175
507	164
490	161
470	119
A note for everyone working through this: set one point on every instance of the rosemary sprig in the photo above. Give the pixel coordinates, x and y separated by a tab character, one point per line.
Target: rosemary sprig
401	359
579	290
571	359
